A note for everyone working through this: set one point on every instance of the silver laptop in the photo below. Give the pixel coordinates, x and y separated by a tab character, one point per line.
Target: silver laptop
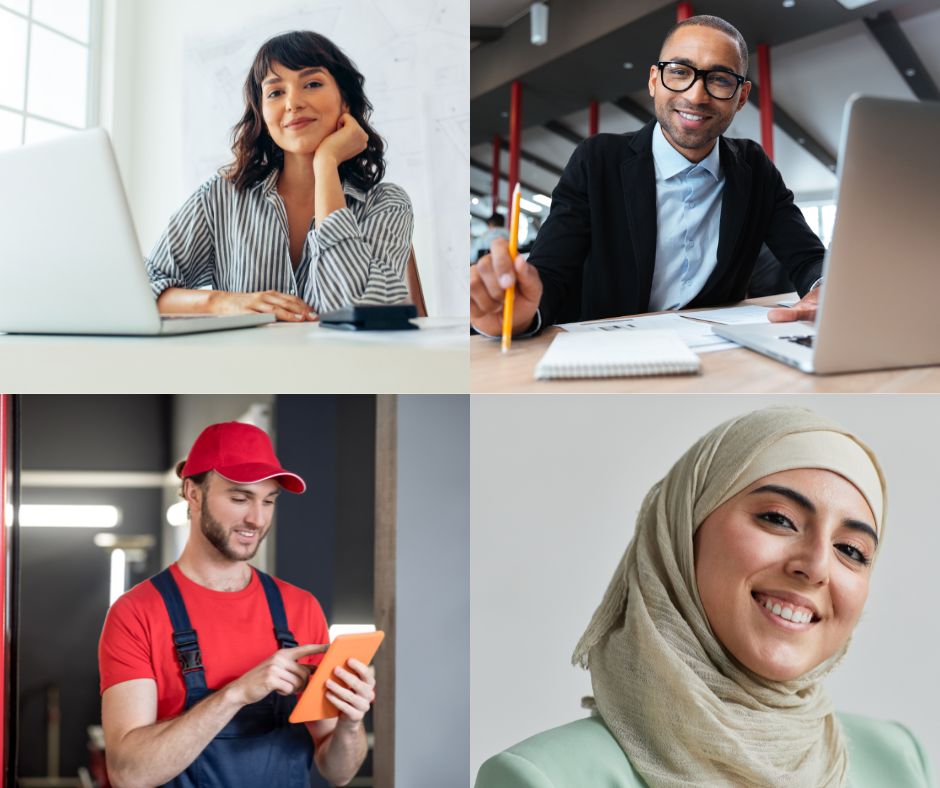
70	262
880	306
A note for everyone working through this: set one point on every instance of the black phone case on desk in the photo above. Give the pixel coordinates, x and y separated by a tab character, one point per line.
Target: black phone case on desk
395	317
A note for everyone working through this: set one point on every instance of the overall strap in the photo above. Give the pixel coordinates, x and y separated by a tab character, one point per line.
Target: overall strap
285	638
185	641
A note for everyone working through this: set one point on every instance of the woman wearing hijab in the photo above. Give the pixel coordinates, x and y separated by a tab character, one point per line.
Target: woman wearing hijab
300	222
737	595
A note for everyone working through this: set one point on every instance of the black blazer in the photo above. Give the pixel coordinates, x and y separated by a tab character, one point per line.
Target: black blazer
596	250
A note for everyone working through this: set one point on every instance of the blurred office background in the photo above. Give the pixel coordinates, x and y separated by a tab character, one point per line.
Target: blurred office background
165	78
595	66
380	538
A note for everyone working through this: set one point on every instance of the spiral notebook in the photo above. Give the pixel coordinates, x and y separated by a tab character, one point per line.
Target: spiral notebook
617	354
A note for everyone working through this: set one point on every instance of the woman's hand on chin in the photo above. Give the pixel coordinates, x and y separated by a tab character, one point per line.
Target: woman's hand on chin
348	141
284	307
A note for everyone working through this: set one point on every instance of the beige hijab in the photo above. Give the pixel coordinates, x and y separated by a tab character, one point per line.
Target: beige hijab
683	709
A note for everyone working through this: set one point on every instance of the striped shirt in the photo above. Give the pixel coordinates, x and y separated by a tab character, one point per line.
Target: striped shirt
238	241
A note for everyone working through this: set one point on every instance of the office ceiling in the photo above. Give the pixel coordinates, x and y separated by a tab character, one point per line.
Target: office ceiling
821	53
497	13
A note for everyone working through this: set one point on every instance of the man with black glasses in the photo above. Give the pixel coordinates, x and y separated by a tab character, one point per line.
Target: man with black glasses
671	216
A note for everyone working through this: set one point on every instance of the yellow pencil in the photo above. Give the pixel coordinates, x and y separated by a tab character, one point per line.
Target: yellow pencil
510	296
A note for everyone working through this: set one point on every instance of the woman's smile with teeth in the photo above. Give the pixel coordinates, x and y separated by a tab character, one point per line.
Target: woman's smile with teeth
785	610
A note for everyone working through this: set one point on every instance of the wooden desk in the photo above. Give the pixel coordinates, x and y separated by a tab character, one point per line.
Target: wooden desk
736	370
278	358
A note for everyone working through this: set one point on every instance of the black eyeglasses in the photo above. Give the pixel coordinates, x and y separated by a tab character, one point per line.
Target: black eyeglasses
679	77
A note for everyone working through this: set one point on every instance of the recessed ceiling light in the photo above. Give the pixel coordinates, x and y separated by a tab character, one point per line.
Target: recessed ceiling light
851	4
910	72
628	66
789	3
178	513
69	516
350	629
504	114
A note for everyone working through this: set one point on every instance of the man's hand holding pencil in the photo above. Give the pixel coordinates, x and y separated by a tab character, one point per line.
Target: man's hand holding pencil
490	278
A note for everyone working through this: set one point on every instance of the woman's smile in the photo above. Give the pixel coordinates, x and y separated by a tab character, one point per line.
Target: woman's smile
298	124
785	613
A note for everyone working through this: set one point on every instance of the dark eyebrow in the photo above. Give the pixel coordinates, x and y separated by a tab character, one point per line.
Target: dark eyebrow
786	492
865	528
806	503
686	62
305	73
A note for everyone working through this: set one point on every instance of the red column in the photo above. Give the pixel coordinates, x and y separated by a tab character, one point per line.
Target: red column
766	100
515	136
684	11
497	146
593	122
5	439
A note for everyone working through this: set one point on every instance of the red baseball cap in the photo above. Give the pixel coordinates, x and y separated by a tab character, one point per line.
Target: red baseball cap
240	453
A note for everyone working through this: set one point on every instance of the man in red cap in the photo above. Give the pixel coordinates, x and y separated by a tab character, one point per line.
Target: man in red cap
196	683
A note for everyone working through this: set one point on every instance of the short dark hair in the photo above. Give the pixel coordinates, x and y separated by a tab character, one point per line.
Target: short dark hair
255	152
497	220
199	479
716	23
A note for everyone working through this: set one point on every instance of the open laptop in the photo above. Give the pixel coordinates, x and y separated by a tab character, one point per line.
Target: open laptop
880	305
70	262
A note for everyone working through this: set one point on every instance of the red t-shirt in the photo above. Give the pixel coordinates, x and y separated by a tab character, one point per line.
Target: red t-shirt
234	629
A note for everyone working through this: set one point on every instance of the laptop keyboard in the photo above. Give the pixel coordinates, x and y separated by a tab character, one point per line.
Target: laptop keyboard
805	341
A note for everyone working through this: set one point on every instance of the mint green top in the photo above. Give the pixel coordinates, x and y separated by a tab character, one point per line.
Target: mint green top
583	754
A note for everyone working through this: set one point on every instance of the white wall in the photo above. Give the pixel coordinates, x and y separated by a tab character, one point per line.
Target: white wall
550	521
432	658
172	82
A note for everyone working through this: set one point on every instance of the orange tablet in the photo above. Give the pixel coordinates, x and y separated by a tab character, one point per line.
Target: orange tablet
313	704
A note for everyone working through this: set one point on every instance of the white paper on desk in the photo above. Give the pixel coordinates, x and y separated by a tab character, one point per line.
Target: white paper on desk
616	354
730	315
434	332
697	335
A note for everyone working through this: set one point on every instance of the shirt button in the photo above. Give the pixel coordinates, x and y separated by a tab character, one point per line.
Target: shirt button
291	291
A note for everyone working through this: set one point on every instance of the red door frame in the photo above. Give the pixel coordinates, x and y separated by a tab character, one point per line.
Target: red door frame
5	444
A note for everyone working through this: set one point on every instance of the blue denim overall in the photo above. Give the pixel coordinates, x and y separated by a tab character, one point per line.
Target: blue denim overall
258	747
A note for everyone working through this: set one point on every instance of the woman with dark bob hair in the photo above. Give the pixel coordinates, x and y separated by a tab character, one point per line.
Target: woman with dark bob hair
300	222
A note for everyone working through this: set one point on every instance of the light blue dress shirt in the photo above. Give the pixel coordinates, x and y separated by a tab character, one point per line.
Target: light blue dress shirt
688	211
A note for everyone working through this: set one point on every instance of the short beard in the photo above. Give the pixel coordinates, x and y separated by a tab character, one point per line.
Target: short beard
215	532
685	139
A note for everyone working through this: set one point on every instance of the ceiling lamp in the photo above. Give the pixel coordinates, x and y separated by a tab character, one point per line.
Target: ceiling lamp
538	17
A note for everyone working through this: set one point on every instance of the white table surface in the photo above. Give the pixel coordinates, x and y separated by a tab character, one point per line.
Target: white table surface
277	358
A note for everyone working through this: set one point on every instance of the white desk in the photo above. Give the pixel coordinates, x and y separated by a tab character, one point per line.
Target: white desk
278	358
